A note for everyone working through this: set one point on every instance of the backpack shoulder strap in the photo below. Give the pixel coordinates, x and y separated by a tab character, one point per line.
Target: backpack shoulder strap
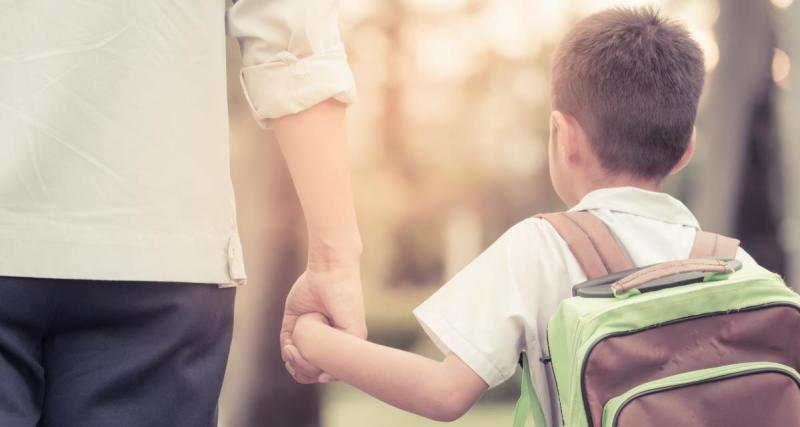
528	401
591	242
710	244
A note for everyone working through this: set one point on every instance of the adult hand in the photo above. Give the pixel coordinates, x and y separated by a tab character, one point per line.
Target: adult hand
334	291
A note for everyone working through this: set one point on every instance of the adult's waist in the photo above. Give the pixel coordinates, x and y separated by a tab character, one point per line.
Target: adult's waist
71	252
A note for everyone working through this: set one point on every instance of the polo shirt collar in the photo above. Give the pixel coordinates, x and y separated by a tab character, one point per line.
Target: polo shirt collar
637	201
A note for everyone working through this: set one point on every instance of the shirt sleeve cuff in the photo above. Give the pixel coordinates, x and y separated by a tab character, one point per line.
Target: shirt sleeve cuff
449	340
288	84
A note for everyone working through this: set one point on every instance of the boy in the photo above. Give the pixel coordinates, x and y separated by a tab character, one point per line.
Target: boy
625	90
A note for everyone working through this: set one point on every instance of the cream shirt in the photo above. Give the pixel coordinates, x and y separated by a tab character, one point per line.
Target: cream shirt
114	131
499	304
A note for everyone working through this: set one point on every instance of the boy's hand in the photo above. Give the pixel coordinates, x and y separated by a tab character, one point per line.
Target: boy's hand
303	335
303	338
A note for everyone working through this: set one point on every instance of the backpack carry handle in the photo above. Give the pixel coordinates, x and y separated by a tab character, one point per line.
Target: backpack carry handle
654	277
665	270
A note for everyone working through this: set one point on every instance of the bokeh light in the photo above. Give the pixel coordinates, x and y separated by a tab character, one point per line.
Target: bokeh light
781	67
783	4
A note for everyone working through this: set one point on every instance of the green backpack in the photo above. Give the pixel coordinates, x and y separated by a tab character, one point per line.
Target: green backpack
697	342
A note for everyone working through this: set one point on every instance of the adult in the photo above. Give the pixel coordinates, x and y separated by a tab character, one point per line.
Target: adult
119	251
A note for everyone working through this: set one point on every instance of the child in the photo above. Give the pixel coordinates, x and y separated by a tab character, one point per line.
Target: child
625	89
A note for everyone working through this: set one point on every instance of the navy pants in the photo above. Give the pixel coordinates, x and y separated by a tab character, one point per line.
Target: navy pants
79	353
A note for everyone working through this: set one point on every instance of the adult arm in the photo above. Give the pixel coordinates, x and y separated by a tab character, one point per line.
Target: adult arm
296	79
314	146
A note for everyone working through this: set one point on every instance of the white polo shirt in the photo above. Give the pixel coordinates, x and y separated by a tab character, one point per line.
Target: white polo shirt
499	304
114	128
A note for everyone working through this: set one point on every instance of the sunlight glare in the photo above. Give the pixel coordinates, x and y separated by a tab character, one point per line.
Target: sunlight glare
708	43
782	4
436	6
781	67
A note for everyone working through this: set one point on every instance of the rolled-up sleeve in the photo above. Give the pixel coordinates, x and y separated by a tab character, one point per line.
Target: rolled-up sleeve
292	55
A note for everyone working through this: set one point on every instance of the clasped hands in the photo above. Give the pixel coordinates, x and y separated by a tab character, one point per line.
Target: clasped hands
331	295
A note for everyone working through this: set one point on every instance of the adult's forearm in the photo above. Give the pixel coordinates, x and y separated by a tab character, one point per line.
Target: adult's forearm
314	145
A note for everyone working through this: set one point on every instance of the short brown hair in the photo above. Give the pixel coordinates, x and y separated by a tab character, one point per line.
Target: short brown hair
632	80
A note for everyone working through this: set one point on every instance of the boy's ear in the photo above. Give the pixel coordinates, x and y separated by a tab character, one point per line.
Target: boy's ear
563	134
687	155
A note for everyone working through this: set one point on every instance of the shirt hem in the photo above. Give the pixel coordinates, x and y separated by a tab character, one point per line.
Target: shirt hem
169	261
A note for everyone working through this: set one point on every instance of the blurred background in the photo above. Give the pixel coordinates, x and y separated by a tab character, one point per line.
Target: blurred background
449	150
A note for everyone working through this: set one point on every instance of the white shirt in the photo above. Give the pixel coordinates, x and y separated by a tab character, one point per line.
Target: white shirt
499	304
114	131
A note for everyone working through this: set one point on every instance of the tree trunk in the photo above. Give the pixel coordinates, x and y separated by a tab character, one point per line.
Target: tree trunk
789	109
735	182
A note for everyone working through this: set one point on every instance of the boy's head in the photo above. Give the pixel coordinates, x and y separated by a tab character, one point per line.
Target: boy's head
625	89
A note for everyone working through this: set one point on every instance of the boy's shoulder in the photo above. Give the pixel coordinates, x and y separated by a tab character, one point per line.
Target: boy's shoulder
530	234
536	253
537	243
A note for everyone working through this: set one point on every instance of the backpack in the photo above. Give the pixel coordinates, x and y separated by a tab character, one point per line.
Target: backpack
696	342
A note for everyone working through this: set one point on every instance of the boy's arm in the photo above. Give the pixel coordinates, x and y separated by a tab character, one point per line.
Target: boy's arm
442	391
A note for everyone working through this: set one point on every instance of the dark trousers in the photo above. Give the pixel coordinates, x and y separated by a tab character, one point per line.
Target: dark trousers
79	353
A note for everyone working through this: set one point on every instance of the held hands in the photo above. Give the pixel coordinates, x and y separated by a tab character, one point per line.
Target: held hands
304	337
334	291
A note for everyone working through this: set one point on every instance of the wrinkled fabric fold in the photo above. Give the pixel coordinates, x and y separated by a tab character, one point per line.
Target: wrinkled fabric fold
289	84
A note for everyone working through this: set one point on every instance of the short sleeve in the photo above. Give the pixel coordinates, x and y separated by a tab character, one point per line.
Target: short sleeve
479	314
292	55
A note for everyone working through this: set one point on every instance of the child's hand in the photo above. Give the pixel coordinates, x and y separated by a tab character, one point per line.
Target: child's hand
306	322
303	340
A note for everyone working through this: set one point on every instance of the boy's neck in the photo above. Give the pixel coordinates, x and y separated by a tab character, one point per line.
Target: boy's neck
611	181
